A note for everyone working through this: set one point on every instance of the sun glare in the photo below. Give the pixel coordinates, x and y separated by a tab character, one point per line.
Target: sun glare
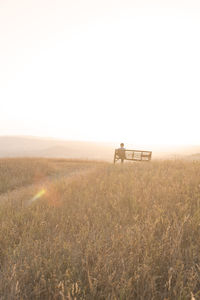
129	75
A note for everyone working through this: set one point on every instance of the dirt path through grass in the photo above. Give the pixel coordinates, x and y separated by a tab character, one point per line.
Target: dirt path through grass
45	183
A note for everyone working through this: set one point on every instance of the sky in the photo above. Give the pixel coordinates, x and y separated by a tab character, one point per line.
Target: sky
101	70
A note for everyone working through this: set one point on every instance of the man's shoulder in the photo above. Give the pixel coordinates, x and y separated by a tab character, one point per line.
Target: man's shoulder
121	149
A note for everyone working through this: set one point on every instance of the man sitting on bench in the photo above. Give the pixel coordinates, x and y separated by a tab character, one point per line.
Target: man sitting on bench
121	152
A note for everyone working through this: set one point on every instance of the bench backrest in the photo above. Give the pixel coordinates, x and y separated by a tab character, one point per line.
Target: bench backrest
134	155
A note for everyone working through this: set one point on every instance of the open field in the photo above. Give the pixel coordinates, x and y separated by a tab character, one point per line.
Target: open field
20	172
87	230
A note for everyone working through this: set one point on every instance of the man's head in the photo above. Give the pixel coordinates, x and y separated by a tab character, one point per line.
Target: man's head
122	145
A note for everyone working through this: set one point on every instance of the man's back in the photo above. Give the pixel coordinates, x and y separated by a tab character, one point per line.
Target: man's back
121	152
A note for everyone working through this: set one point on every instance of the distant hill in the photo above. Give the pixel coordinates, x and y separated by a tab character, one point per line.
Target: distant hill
20	146
195	156
45	147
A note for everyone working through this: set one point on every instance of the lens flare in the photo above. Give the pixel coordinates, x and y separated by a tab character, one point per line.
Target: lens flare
37	196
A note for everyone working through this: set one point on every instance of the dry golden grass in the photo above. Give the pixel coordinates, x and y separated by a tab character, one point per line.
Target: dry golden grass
18	172
119	232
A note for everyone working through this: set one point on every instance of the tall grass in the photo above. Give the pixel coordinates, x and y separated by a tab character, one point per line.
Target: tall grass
18	172
121	232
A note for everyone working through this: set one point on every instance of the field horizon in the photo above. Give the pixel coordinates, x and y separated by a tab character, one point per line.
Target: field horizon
30	146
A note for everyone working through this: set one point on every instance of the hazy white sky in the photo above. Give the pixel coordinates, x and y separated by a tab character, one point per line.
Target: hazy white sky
101	70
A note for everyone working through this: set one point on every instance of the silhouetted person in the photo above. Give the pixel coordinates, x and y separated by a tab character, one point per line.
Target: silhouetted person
121	152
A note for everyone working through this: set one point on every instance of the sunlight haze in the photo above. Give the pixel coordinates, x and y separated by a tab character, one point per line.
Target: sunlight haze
101	70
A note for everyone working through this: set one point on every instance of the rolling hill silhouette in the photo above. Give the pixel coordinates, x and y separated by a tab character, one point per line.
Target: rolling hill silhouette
17	146
27	146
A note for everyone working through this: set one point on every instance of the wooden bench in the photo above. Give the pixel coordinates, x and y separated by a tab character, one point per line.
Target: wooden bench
132	155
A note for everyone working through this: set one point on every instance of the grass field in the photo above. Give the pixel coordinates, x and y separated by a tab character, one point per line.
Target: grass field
99	231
